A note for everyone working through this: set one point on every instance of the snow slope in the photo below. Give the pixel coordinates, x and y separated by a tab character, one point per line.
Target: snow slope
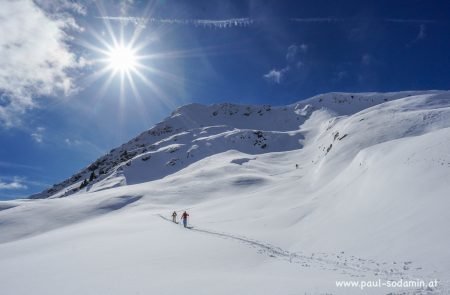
368	201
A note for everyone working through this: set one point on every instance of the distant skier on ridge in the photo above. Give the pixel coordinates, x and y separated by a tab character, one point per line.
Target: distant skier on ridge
174	216
184	218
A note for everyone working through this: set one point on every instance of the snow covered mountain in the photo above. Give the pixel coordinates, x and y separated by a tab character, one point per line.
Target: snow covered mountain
284	200
195	131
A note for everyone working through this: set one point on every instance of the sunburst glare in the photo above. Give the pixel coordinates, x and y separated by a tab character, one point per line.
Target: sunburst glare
122	59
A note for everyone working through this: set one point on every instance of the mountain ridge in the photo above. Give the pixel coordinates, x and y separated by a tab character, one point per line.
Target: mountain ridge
196	125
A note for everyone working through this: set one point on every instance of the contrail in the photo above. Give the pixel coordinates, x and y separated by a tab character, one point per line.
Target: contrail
246	21
410	21
141	21
318	20
335	20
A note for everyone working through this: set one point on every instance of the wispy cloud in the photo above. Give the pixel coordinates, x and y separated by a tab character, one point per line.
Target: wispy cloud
38	134
13	187
318	20
207	23
18	166
125	5
367	59
34	55
81	144
294	50
410	21
246	21
125	20
62	6
15	184
275	76
293	62
72	142
340	20
421	35
422	32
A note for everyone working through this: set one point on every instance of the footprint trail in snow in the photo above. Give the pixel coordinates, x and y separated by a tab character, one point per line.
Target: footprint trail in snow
355	267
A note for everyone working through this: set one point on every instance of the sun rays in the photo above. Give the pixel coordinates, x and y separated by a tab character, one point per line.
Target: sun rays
122	67
131	64
122	59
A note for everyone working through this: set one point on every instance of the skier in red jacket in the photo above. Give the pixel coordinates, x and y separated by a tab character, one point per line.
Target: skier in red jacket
184	217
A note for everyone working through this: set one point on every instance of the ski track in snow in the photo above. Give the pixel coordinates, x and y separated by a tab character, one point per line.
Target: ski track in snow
353	266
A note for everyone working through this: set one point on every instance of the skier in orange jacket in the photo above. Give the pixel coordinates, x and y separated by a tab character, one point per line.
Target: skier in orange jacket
184	218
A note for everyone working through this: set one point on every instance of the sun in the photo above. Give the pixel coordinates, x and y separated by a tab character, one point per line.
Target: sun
125	61
122	59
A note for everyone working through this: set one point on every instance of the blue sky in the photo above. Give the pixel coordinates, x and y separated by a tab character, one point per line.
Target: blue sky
61	107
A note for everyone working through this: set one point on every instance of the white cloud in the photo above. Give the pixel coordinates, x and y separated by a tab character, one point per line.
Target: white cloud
38	134
34	55
15	184
295	54
276	76
61	6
